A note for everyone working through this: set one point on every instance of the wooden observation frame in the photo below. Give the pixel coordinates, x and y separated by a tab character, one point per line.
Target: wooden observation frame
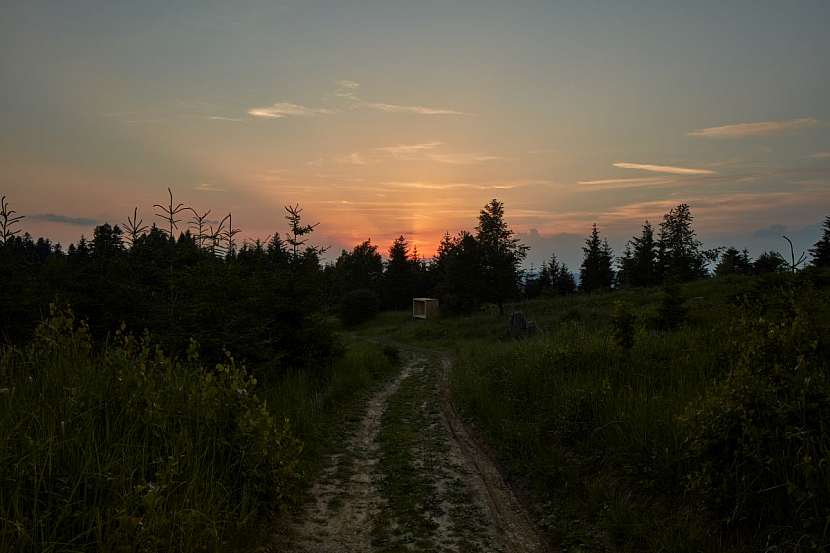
425	308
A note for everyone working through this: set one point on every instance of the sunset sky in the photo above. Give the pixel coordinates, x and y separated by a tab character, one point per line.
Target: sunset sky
405	117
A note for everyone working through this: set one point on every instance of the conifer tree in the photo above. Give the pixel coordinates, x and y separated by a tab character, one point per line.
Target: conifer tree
501	254
734	262
769	262
596	272
398	279
680	255
821	250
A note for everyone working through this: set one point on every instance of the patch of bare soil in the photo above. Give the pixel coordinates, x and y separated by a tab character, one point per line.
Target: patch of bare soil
410	479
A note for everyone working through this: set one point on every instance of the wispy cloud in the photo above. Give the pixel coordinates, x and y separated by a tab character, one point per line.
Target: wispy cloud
221	118
63	219
762	128
348	90
611	184
427	151
354	158
420	110
207	187
455	185
287	109
664	169
404	150
821	155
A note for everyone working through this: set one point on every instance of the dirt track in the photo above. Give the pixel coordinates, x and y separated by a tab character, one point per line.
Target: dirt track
411	478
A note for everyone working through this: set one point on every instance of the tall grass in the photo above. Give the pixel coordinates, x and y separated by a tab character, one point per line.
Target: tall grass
633	434
122	448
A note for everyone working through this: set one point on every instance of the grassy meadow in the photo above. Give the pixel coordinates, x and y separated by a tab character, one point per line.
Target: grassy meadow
706	434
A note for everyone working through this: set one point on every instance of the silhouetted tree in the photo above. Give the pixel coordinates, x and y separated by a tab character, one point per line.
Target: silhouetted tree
556	278
399	277
769	262
135	227
642	268
8	221
596	272
821	250
461	283
680	255
297	231
106	241
565	281
734	262
169	214
501	254
361	268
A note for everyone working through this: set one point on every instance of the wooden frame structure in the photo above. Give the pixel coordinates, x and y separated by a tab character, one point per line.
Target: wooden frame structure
425	308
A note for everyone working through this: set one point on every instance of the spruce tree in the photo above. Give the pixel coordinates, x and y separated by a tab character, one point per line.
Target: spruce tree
734	262
769	262
398	279
501	254
596	272
821	250
680	254
565	281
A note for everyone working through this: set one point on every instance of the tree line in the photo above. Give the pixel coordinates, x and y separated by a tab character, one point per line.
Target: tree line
186	276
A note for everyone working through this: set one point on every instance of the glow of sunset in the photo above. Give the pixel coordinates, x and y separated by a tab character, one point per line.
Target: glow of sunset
389	118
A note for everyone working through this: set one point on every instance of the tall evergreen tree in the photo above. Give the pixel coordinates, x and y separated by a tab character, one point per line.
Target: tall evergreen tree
680	255
565	281
596	272
399	277
501	254
821	250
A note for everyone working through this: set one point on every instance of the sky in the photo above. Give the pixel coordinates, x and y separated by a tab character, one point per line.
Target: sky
382	118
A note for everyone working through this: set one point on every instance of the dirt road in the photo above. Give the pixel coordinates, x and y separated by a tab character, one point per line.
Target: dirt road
410	478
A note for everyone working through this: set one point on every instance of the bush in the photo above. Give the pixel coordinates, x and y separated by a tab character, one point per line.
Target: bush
129	448
672	311
359	306
623	329
760	439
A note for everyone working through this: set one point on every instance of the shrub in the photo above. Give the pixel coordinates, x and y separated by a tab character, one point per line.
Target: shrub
359	306
759	439
623	329
672	311
127	448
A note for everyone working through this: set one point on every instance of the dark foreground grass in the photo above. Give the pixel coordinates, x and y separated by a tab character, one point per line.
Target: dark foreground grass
707	437
121	448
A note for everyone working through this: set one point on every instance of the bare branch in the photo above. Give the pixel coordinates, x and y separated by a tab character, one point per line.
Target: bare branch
8	219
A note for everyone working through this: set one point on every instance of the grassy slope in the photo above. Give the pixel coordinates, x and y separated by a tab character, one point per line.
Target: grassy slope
589	430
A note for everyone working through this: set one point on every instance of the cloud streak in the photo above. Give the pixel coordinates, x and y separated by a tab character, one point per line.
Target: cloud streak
669	169
63	219
287	109
426	151
420	110
613	184
348	90
762	128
